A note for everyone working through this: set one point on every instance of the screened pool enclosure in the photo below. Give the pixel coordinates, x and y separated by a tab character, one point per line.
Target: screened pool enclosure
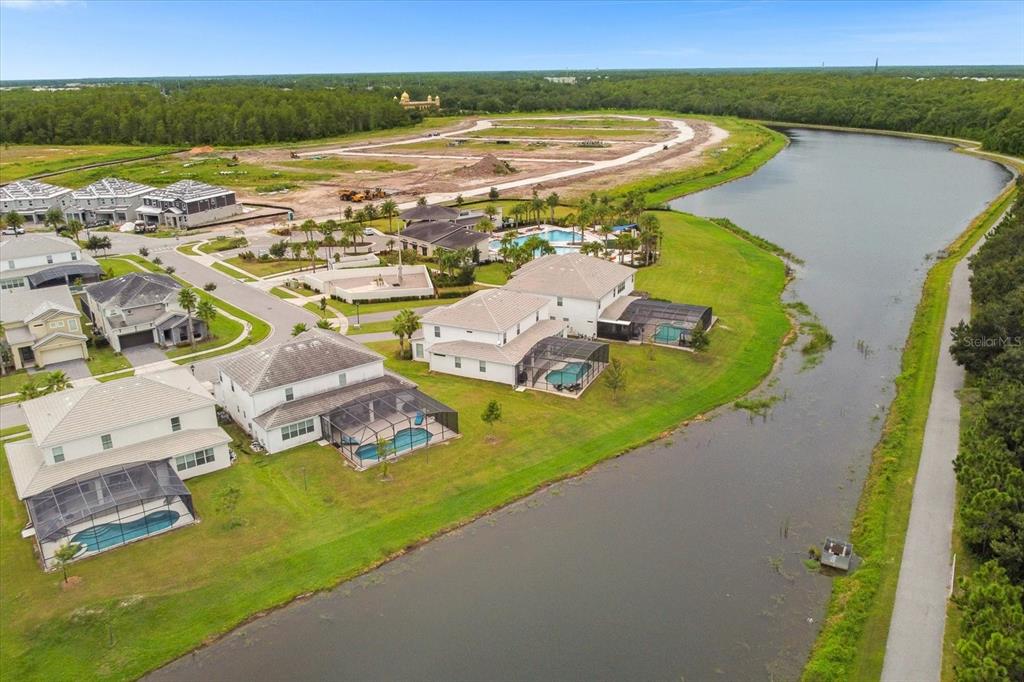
660	322
562	365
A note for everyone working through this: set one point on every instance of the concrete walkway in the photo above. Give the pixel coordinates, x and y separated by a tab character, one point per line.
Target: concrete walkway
914	647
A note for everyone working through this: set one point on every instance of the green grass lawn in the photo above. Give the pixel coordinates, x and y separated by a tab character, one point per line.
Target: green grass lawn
340	164
596	122
303	521
222	244
231	272
11	430
224	331
13	381
491	273
282	293
369	327
269	268
214	170
636	134
19	161
349	309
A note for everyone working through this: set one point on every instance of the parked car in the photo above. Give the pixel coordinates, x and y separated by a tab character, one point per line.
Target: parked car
368	231
9	231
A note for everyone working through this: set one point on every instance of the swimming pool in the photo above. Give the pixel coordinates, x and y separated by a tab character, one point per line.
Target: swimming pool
406	439
568	375
548	236
109	534
667	333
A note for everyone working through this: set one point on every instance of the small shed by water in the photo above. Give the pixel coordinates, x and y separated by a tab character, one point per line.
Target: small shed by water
836	554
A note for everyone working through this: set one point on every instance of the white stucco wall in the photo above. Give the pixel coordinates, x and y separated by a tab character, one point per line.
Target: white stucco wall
34	261
501	373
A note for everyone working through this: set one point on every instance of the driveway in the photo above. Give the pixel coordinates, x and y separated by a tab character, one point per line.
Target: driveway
143	355
75	369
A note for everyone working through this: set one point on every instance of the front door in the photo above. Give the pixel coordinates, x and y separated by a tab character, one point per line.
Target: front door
27	356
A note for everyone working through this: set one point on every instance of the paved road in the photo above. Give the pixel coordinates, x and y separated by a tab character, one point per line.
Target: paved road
914	648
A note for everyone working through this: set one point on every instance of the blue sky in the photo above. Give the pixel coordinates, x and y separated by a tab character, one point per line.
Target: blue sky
104	38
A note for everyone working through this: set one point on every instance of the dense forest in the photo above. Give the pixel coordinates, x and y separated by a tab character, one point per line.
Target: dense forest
990	465
286	108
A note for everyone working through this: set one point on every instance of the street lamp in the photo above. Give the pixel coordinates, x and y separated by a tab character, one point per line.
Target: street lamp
357	316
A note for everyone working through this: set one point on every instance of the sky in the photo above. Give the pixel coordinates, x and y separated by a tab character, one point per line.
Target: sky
68	39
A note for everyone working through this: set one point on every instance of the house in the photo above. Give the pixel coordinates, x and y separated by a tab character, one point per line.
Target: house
508	337
187	204
41	260
42	326
579	286
426	213
428	228
372	284
32	199
633	318
140	308
105	464
323	386
110	200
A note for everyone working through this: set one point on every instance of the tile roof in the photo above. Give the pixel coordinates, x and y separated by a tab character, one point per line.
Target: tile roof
30	189
111	187
311	354
107	407
134	289
322	403
574	275
493	310
27	245
21	305
32	476
509	354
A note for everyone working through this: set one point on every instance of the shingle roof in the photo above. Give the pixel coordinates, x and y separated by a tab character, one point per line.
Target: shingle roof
428	212
134	289
21	305
509	354
12	248
111	187
493	310
574	275
30	189
311	354
106	407
322	403
461	238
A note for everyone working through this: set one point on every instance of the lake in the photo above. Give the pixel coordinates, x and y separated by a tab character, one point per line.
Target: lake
684	559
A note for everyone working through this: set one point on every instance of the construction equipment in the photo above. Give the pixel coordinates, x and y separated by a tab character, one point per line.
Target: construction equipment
358	196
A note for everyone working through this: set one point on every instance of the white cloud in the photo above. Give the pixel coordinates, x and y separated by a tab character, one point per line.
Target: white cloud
37	4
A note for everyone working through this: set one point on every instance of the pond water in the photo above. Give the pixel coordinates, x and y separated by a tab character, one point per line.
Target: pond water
684	559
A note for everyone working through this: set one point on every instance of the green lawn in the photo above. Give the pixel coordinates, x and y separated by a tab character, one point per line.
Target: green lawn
222	244
508	131
11	430
340	164
282	293
491	273
224	331
349	309
269	268
231	272
303	521
597	122
13	381
19	161
118	375
369	327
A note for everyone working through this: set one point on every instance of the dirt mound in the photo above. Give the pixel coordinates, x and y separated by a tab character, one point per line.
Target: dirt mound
488	166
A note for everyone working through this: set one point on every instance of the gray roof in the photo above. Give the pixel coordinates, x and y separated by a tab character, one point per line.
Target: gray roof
462	238
68	271
311	354
106	407
322	403
134	289
428	212
188	190
111	188
22	305
493	310
509	354
573	275
12	248
30	189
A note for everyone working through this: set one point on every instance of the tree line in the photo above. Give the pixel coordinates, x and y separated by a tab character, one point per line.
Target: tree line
290	108
990	464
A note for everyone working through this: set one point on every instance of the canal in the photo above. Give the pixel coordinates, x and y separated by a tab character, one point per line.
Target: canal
684	559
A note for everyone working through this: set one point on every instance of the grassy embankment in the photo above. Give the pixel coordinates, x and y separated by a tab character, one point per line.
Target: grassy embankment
570	122
274	528
507	130
23	160
269	268
851	645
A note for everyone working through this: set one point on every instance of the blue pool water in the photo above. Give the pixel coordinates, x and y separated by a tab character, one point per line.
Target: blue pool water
110	534
568	375
406	439
667	333
548	236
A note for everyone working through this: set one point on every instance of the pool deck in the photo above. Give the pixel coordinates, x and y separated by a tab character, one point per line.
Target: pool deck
438	435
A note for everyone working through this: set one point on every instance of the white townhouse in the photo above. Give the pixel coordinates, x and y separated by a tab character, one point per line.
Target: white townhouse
321	385
39	260
105	462
109	200
579	286
32	199
508	337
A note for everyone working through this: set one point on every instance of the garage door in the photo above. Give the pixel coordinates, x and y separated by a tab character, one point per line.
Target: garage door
54	355
136	339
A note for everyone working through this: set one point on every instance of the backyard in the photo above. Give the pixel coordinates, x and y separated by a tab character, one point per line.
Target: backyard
277	527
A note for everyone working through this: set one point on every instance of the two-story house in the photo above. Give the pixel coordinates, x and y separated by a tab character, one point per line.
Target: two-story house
32	199
186	204
42	326
105	462
509	337
323	386
110	200
580	287
140	308
32	261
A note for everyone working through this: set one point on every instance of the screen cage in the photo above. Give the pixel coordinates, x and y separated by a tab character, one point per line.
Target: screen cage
562	365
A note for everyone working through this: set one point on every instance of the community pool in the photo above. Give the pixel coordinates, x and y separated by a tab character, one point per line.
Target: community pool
568	375
548	236
110	534
406	439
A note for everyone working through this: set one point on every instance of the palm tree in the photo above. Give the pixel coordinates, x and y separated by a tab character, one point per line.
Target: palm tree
348	213
74	228
606	231
517	213
324	323
446	261
54	382
371	212
206	312
188	300
592	248
311	248
627	243
389	209
296	249
490	211
537	205
308	227
650	235
552	202
485	225
299	328
327	229
391	245
421	201
353	232
54	218
29	390
404	325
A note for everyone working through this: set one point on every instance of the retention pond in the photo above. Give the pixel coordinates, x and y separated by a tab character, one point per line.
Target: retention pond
685	559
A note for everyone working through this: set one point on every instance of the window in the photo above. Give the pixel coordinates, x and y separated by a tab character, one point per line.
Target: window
193	459
504	337
289	394
458	362
537	317
10	265
342	379
175	423
419	350
73	325
74	255
107	441
518	325
437	332
558	301
58	454
49	259
56	324
297	429
483	366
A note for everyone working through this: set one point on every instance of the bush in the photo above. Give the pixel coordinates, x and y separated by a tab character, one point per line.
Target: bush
247	256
